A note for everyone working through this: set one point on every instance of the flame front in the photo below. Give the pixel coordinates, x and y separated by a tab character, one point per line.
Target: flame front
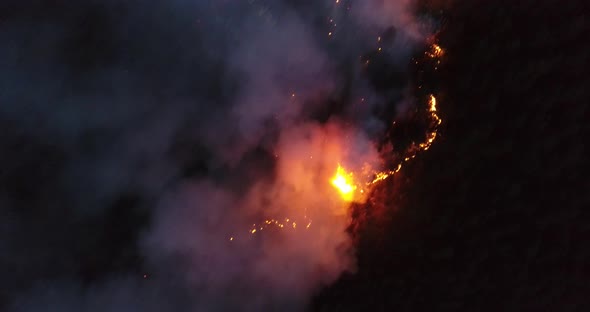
355	186
344	183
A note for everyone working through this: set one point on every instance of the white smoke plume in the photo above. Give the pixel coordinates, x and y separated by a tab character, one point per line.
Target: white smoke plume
266	97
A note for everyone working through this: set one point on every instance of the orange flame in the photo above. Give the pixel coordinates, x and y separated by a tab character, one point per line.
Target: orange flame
356	190
343	182
435	52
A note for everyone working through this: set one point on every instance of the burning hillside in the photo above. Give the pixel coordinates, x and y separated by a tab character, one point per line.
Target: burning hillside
242	131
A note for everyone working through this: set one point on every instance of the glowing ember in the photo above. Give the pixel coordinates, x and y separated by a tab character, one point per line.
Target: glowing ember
380	176
436	51
356	186
432	103
344	183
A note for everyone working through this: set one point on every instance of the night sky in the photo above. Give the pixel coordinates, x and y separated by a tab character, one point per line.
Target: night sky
134	133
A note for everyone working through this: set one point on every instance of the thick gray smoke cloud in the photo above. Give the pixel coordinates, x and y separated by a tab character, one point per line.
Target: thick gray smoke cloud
214	115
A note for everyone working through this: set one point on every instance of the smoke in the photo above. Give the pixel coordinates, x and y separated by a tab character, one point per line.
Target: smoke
154	148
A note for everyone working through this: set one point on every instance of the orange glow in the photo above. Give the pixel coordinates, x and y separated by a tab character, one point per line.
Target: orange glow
436	51
380	176
353	184
432	103
343	182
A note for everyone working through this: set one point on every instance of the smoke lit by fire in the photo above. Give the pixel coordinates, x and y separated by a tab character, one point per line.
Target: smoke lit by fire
244	132
354	186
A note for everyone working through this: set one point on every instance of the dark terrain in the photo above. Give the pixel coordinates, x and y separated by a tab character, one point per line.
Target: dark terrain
492	218
495	216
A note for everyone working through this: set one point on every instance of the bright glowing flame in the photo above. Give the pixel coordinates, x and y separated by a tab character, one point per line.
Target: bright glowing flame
380	176
343	182
435	52
357	186
432	103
